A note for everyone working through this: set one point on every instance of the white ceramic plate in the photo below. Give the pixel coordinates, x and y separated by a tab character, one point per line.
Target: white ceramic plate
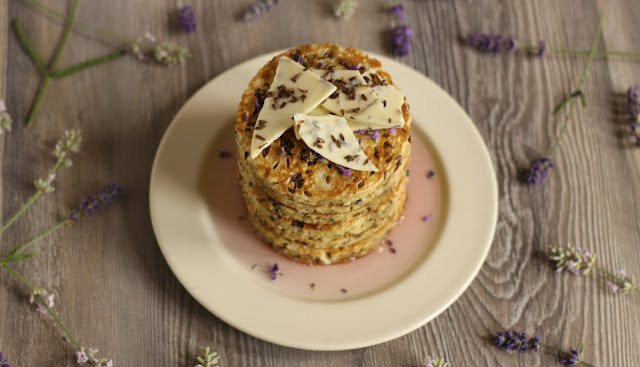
192	246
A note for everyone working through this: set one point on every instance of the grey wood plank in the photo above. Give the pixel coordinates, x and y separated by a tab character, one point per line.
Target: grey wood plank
113	287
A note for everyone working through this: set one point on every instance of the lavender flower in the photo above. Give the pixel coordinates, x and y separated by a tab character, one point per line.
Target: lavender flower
572	260
398	9
434	362
258	8
207	358
622	282
69	143
89	356
45	186
542	49
511	340
538	171
492	43
374	134
344	171
48	299
402	40
574	356
3	361
82	356
5	118
633	106
392	130
427	217
171	54
431	174
187	19
93	204
275	271
345	8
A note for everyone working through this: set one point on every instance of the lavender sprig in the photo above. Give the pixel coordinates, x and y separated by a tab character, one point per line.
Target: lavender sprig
207	358
51	72
633	105
539	170
345	8
257	9
5	118
401	34
37	294
4	362
187	18
517	341
68	144
497	43
93	204
581	262
402	40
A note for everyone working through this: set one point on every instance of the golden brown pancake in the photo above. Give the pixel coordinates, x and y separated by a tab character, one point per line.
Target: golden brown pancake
303	205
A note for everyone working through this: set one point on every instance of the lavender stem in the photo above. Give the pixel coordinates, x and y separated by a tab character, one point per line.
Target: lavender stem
33	198
562	352
42	235
43	303
583	77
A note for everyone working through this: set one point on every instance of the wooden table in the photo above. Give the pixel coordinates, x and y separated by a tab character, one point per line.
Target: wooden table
114	289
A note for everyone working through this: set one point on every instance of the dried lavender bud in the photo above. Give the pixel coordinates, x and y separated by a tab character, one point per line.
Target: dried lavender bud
542	49
511	340
401	39
258	8
492	43
187	19
538	171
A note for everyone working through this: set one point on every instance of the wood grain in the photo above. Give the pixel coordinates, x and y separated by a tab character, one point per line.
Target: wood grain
114	289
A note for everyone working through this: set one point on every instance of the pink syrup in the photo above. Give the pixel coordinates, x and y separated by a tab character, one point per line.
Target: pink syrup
412	238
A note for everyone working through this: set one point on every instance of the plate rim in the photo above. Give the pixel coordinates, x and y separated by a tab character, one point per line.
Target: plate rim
380	337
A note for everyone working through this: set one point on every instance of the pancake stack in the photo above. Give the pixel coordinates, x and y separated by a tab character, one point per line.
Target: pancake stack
305	206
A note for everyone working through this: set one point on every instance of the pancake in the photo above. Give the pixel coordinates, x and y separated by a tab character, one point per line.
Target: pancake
305	206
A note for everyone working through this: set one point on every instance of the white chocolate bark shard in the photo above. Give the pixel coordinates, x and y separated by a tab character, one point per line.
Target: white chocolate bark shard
293	90
332	138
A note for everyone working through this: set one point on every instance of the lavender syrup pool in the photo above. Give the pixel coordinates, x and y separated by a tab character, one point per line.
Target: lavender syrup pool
412	238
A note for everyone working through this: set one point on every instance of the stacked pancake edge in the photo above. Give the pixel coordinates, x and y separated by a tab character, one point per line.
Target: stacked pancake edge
304	206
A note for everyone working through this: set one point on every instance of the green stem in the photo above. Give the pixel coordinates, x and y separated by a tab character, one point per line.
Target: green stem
87	64
31	50
42	235
560	51
33	198
562	352
103	32
583	78
65	36
38	102
567	51
21	211
614	276
42	301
